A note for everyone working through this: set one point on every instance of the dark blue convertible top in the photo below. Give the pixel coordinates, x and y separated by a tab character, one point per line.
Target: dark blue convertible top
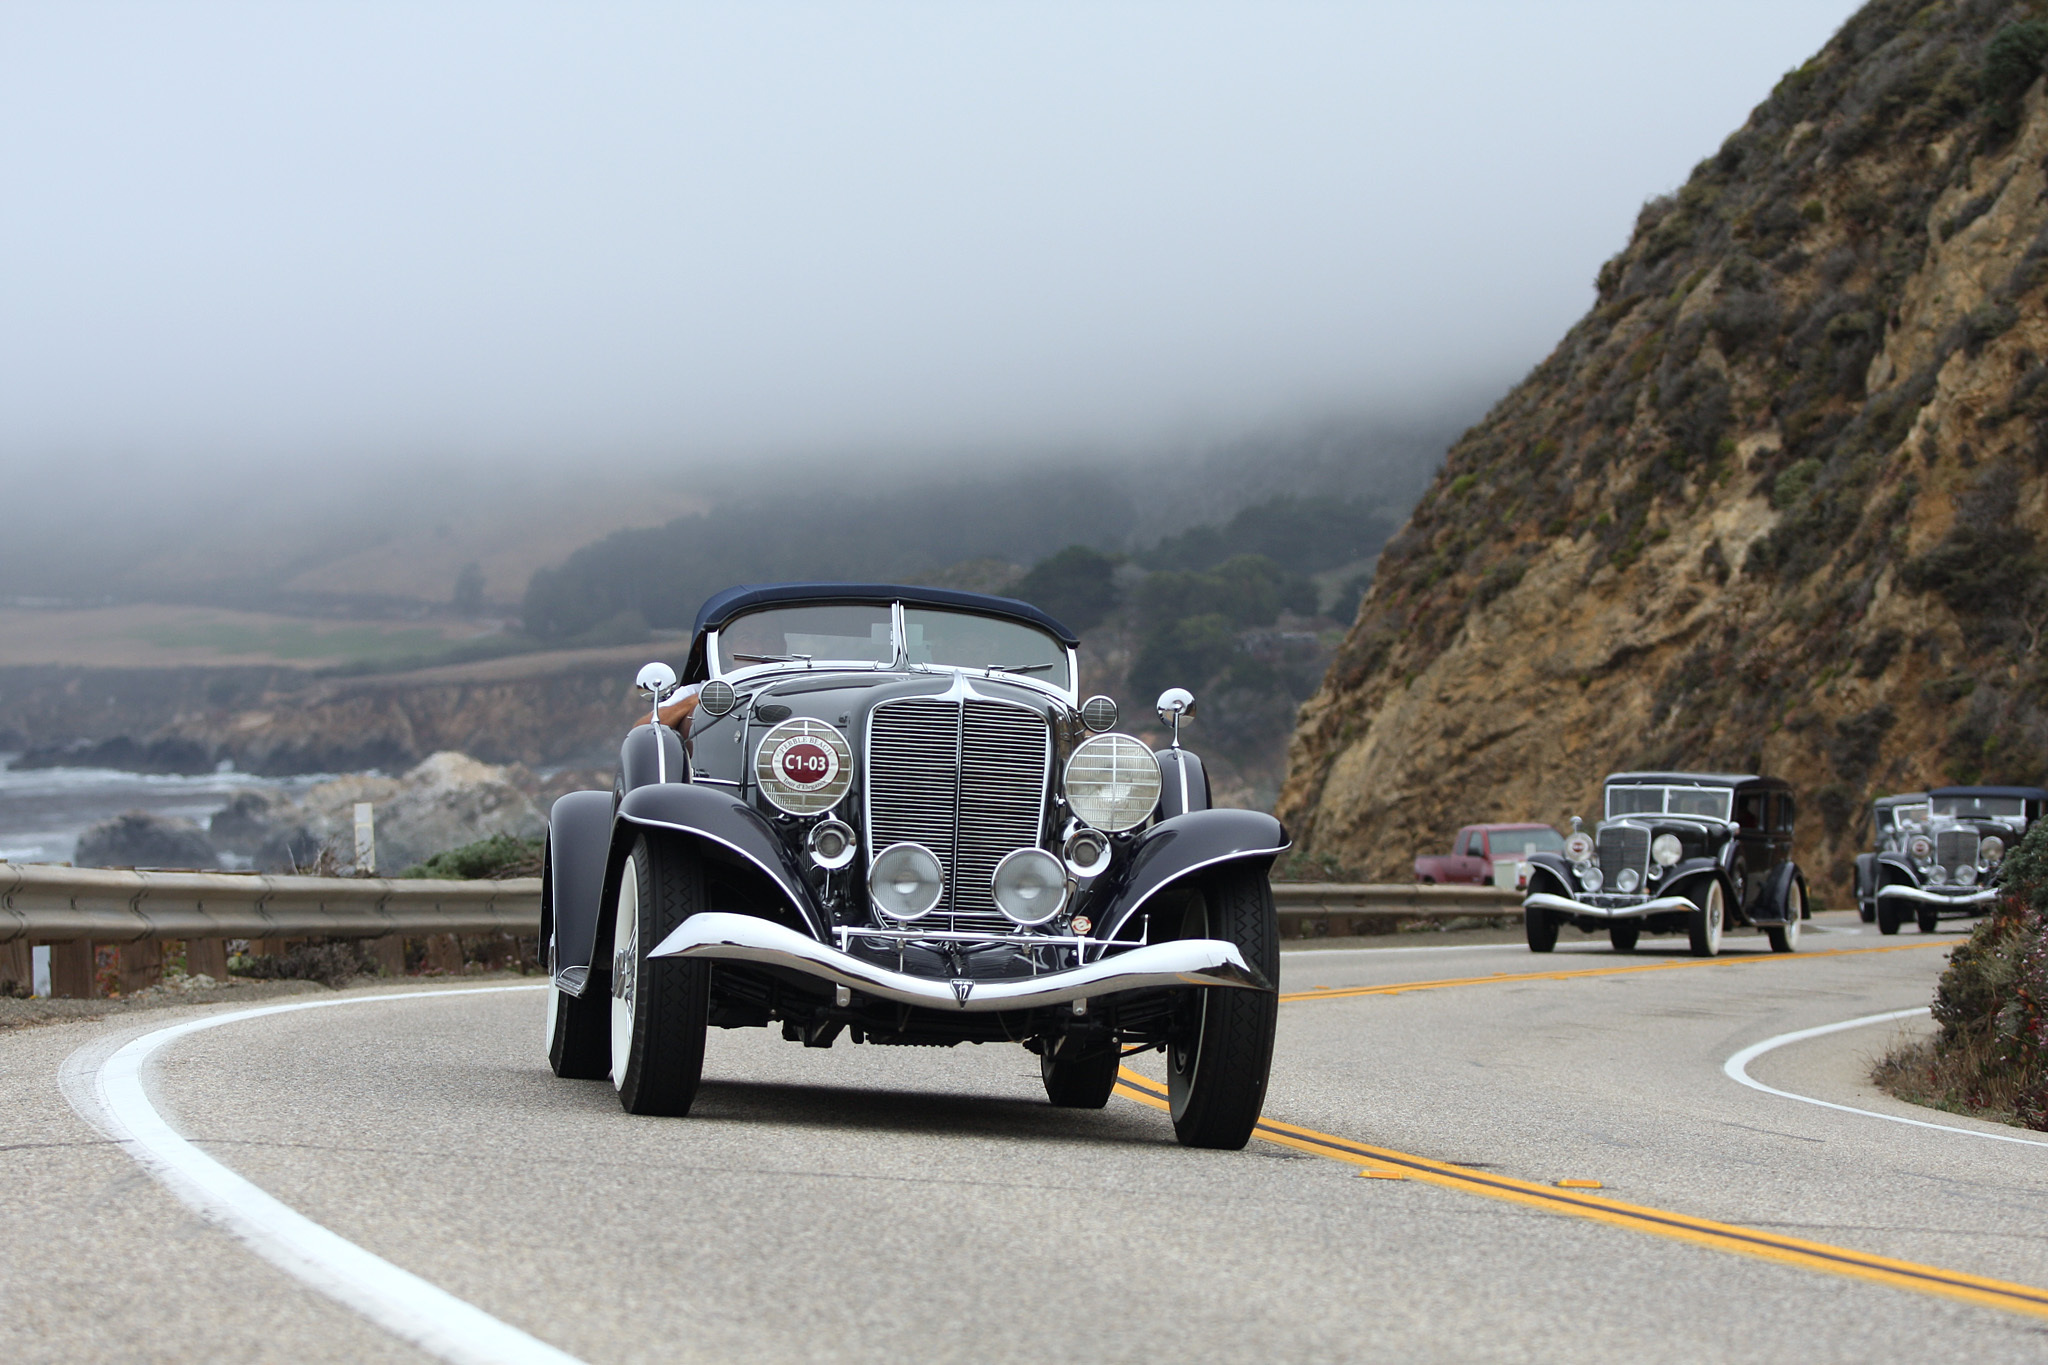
722	607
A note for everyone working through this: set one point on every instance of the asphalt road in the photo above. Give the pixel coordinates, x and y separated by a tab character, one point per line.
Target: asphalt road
879	1204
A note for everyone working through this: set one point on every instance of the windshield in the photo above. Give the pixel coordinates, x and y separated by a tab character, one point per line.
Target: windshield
819	634
953	639
1711	802
1980	807
1890	817
1509	842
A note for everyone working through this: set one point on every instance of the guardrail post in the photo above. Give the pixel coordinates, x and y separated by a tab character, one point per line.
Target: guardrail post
142	964
17	968
444	954
71	970
207	957
389	952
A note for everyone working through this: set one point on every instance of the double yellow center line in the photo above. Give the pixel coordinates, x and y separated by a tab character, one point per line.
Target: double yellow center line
1725	1237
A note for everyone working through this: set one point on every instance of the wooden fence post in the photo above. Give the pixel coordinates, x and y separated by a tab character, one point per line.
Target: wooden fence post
71	970
17	971
207	957
142	964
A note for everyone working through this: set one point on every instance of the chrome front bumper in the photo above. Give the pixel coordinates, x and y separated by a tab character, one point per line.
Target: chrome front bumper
1982	896
1565	905
743	938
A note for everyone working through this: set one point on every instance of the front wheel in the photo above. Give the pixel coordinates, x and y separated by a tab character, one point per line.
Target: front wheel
1703	925
1785	937
1079	1082
1623	933
1540	929
659	1005
1927	917
1222	1051
1887	915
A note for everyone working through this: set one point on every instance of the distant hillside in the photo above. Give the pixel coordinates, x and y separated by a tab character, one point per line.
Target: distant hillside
1775	503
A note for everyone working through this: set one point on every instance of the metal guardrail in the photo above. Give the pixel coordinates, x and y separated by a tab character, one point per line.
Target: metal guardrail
47	904
50	904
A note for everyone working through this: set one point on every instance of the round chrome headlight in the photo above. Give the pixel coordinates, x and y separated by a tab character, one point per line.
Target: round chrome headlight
1112	782
1087	852
1966	875
1030	886
1589	877
1626	880
831	844
1098	713
1666	849
1991	850
1937	874
804	766
1920	847
905	882
1579	847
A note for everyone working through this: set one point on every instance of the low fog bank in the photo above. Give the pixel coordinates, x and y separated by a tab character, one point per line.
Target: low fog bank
375	537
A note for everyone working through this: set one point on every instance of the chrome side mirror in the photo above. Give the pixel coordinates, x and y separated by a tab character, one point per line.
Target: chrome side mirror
1176	704
656	682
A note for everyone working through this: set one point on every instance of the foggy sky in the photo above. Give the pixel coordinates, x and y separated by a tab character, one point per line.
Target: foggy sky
290	234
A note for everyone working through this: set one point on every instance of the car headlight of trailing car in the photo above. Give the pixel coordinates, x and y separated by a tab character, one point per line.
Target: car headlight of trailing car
1666	850
1112	782
1966	875
1030	886
804	766
905	881
1991	851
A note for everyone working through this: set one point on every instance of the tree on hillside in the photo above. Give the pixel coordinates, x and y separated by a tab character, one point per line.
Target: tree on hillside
1077	586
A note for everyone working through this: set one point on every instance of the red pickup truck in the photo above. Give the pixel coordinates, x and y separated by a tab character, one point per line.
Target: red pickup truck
1483	854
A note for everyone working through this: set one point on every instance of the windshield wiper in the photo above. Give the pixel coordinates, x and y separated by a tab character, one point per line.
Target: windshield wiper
774	658
1017	668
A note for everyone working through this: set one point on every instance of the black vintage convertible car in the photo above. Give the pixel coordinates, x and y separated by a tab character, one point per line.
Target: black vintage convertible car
885	813
1690	853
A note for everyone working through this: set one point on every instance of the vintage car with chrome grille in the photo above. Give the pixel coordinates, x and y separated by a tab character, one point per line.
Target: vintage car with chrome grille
1948	864
1893	822
1676	852
886	813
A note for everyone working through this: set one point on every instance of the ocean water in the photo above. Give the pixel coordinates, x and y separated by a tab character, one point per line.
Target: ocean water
44	810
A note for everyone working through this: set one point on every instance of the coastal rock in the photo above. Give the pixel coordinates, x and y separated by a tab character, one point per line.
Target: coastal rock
140	839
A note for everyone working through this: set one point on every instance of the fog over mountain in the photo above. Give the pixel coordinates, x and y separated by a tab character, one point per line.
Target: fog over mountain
294	260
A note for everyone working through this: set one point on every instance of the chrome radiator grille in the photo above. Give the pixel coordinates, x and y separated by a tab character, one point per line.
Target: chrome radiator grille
1956	848
1622	846
965	779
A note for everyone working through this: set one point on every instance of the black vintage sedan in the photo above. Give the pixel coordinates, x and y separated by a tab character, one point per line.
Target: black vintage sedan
1676	852
1948	862
886	814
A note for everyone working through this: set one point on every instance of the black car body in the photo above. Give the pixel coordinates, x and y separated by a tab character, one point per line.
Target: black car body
1950	864
892	818
1682	852
1893	820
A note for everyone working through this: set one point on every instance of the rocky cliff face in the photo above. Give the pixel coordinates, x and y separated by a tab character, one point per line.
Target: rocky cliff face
1775	504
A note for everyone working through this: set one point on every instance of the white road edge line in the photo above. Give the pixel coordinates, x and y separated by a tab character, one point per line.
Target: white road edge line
396	1300
1737	1069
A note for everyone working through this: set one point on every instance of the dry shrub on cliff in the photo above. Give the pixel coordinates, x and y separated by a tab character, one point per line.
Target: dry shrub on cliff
1991	1056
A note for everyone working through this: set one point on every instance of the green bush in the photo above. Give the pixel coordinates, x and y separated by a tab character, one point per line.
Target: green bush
500	856
1077	586
1992	1000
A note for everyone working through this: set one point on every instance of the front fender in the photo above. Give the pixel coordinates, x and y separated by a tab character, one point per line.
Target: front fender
1686	877
717	818
1180	847
1549	867
1902	865
579	843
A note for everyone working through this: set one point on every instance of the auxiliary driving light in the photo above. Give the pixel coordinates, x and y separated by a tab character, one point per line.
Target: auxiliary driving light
1626	880
1589	877
1030	886
831	844
905	881
1966	875
1087	852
